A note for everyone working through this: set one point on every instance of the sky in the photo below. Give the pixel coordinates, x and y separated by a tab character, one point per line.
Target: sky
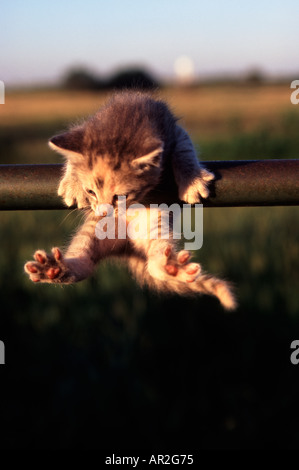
41	39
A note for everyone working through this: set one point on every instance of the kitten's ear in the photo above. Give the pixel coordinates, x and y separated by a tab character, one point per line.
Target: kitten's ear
151	160
68	144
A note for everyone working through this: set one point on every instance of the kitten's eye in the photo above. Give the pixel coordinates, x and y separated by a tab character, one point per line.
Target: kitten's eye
91	192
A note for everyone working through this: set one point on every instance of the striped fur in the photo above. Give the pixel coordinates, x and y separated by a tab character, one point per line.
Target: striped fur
128	148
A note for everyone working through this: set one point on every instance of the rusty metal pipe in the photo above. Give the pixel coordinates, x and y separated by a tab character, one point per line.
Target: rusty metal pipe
238	183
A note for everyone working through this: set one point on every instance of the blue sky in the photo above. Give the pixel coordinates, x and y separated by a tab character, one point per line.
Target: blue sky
41	39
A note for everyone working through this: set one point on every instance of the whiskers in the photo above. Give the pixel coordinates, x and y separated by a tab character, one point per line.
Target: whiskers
80	214
67	215
86	211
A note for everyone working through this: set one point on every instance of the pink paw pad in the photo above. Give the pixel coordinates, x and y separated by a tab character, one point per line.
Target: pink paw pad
40	258
31	269
183	256
57	254
167	251
52	273
171	269
193	268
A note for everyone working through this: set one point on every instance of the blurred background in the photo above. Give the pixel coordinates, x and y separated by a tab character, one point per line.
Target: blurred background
106	364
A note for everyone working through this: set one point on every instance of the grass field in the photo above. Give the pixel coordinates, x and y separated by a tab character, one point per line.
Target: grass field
205	110
143	369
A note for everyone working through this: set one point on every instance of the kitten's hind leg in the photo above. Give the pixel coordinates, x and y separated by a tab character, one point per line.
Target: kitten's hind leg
177	264
193	281
173	272
166	264
164	267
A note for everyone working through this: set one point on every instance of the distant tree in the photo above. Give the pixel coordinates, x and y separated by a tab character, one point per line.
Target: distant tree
254	77
133	78
82	79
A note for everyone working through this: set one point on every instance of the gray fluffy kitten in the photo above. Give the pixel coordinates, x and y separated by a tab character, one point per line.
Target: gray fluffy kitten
132	146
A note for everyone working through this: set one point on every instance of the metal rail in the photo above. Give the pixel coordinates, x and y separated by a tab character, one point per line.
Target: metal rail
238	183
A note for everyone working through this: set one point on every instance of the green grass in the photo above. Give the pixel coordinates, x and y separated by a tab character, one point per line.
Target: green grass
263	143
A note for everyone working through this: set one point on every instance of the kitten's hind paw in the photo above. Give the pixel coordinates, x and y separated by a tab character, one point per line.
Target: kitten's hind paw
50	268
174	266
185	278
177	264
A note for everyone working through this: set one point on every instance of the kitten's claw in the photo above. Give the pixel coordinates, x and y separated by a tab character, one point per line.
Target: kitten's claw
49	268
193	191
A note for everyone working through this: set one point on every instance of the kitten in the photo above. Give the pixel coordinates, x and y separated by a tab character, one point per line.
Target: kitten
131	147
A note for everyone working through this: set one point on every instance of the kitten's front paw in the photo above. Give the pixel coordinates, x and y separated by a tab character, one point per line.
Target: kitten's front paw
72	194
193	191
49	268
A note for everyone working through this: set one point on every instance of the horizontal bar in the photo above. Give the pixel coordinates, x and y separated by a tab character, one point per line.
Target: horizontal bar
255	183
237	183
30	187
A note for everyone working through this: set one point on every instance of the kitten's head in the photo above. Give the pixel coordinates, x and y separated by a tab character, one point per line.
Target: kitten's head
118	151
